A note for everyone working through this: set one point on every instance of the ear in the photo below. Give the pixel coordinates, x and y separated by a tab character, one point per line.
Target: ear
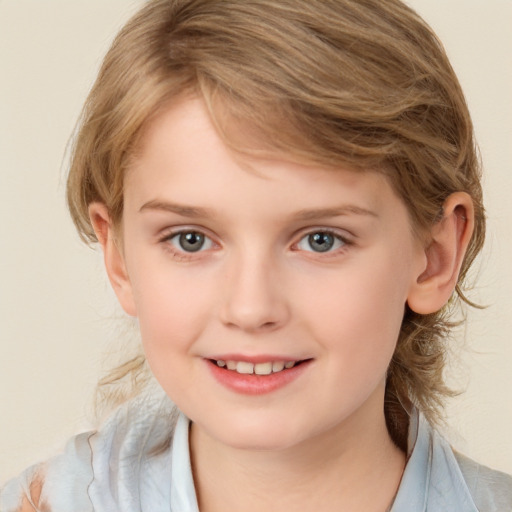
113	256
445	252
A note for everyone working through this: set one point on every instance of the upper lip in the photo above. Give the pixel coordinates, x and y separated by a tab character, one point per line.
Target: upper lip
255	359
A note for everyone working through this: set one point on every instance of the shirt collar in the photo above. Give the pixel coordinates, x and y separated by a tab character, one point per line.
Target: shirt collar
432	480
183	494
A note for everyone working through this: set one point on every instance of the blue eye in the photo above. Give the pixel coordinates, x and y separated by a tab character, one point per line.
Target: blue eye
190	241
320	241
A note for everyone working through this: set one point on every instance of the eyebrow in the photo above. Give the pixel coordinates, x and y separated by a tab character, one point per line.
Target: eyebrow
302	215
321	213
180	209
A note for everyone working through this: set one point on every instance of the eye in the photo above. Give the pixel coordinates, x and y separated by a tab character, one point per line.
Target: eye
190	241
320	241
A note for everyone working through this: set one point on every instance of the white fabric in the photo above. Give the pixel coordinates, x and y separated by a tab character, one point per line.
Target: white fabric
139	462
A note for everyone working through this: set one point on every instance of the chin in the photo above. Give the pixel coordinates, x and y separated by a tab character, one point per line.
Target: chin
259	433
260	441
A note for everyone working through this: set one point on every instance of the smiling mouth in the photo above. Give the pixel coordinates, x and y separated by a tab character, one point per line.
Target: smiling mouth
247	368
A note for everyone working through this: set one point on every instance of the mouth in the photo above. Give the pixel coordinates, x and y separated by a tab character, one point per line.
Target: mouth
256	375
263	368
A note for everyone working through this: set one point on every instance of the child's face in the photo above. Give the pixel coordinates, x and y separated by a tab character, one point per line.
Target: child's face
263	262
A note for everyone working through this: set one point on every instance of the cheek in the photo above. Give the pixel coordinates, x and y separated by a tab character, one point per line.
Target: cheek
359	311
172	315
172	308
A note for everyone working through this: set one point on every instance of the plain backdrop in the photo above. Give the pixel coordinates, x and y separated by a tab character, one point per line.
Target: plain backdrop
58	318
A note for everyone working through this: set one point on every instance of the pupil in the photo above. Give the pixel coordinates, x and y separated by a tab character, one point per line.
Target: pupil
321	242
191	242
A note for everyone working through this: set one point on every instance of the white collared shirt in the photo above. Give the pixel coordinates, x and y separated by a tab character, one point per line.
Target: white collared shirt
140	461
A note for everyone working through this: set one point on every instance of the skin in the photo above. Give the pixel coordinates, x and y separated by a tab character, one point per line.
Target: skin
258	286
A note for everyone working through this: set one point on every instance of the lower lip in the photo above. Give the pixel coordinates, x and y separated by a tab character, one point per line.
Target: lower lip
252	384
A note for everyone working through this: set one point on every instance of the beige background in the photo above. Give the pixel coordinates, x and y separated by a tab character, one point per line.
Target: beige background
57	314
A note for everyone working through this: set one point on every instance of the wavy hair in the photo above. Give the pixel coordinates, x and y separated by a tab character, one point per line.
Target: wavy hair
364	83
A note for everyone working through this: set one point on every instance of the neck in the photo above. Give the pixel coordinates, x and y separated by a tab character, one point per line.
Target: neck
353	466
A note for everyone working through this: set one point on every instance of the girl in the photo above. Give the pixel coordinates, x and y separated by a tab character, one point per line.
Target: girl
287	197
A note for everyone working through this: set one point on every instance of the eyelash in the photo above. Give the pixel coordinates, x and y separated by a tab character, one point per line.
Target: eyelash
183	255
338	238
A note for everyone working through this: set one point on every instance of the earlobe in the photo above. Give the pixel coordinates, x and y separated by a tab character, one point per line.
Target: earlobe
449	239
113	257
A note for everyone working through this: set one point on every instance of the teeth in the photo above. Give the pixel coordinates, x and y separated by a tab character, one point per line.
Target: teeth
263	369
277	366
247	368
244	367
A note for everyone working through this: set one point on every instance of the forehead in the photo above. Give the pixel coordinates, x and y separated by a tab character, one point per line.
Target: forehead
182	159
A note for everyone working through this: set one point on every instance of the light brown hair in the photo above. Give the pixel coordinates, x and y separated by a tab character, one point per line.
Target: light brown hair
335	82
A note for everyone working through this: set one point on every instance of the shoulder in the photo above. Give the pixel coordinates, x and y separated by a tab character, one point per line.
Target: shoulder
116	458
131	453
438	479
18	498
54	484
32	501
491	490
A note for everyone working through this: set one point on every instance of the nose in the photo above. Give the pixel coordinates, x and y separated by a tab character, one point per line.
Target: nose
254	298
